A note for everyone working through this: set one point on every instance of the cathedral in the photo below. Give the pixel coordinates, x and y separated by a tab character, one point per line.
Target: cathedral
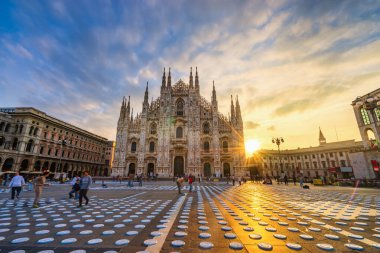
179	133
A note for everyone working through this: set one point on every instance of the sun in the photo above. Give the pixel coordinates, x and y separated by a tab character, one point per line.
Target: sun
251	146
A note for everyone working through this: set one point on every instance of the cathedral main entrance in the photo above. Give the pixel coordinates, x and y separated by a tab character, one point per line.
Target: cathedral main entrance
226	170
132	169
207	170
151	169
179	166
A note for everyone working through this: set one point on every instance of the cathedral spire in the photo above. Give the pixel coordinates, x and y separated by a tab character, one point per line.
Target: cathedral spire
132	115
146	94
163	85
122	110
322	139
129	105
232	111
169	85
191	78
238	112
213	92
196	79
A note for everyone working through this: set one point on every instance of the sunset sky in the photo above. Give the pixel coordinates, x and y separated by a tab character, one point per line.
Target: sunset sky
296	65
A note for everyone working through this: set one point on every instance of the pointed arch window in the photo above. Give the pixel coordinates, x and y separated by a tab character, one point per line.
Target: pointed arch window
206	146
133	147
29	146
31	130
225	146
206	128
7	127
179	132
180	107
151	147
365	116
377	113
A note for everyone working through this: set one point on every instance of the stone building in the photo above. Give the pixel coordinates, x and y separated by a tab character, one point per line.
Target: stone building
327	159
179	133
109	155
31	140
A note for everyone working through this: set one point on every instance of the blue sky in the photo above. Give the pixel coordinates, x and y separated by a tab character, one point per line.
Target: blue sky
296	65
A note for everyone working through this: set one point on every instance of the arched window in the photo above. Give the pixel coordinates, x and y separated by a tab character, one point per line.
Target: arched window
377	113
16	129
2	140
206	146
35	131
49	151
29	146
31	130
206	128
15	144
179	132
365	116
7	127
151	147
2	124
133	147
180	105
21	128
153	128
225	146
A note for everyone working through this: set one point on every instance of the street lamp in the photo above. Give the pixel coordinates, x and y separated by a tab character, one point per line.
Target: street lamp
278	142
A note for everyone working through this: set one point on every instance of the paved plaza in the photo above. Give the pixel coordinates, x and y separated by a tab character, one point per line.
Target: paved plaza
215	218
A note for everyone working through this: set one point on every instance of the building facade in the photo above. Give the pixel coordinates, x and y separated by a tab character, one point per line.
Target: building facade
31	140
327	159
367	113
179	133
109	155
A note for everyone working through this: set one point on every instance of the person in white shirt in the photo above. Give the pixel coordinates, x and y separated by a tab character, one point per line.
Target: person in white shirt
16	184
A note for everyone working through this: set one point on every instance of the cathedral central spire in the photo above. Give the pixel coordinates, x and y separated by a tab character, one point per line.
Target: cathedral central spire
169	85
163	85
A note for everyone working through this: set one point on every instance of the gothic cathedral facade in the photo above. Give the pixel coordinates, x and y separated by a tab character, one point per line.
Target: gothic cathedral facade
180	133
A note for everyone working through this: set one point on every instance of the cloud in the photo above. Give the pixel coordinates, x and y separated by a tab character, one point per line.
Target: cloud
271	128
251	125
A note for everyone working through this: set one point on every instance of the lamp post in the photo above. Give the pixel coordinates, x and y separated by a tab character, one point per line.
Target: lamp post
278	142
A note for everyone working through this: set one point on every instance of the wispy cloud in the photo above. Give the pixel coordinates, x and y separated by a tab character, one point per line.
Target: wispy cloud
289	61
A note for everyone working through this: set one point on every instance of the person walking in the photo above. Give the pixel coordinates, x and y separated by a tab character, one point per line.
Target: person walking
16	185
191	180
301	181
39	183
286	179
75	189
179	184
233	180
75	179
140	179
85	183
294	179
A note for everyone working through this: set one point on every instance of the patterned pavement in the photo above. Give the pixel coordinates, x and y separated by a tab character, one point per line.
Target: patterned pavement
216	217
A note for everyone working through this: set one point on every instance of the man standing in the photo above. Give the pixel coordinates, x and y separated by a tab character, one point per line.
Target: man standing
16	183
85	183
179	184
39	183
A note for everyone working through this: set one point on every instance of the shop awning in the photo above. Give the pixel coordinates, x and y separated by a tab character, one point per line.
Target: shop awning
346	169
334	169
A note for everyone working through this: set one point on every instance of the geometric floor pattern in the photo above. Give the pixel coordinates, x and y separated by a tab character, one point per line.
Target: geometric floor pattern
216	217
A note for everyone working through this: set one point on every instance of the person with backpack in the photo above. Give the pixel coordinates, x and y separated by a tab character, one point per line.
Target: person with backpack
75	189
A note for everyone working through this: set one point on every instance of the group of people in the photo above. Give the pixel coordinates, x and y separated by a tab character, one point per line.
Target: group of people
190	180
80	187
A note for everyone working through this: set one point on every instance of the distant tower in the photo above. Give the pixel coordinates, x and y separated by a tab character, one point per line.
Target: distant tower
322	139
